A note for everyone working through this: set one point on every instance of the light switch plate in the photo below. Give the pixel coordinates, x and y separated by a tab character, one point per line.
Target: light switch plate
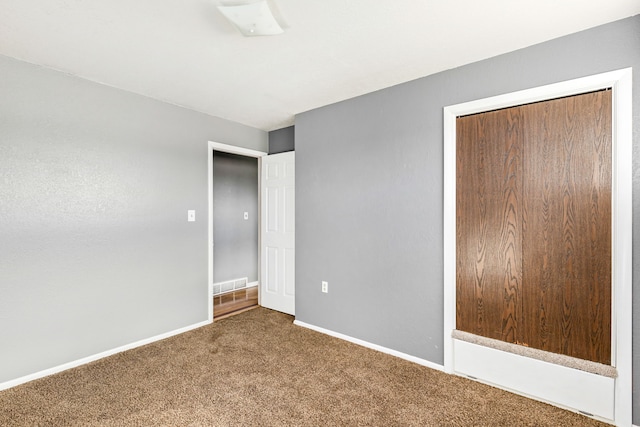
246	215
191	215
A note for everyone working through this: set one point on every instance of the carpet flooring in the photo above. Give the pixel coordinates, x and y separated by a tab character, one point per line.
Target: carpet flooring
258	369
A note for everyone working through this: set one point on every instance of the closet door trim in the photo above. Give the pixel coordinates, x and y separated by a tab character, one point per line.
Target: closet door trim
620	82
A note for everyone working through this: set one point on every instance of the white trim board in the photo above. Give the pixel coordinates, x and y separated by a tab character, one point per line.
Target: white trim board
621	83
232	149
94	357
376	347
533	378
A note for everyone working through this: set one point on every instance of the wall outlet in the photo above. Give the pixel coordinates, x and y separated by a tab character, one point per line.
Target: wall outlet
325	287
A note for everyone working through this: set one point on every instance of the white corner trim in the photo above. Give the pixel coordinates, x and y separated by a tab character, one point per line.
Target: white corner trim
622	245
376	347
253	284
210	145
94	357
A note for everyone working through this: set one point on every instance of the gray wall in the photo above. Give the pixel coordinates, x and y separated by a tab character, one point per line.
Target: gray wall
282	140
235	191
95	248
369	189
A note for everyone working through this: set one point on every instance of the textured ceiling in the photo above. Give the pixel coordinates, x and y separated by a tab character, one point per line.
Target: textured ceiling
184	52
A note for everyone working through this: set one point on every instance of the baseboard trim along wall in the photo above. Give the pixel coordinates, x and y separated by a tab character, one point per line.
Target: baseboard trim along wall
88	359
376	347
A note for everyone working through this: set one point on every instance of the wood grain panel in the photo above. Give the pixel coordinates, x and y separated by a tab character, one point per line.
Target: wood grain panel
489	224
567	229
533	244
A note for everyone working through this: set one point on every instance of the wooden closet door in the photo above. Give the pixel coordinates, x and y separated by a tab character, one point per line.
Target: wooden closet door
567	226
534	225
489	224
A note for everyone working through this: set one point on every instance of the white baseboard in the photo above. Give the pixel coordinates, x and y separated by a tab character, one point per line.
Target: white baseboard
85	360
376	347
569	388
253	284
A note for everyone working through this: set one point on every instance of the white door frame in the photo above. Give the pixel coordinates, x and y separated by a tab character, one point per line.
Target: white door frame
232	149
622	177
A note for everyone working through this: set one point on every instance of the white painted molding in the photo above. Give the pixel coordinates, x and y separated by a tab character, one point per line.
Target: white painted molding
253	284
542	93
537	379
449	247
101	355
376	347
622	257
210	230
233	149
621	83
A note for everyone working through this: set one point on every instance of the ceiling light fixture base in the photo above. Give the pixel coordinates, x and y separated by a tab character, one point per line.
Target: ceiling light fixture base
252	19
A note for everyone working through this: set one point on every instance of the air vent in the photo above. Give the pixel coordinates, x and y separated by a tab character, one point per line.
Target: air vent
229	285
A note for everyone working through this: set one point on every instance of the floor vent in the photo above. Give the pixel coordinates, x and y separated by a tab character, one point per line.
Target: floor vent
229	286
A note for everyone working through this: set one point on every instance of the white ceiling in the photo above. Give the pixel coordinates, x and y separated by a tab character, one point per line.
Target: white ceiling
184	51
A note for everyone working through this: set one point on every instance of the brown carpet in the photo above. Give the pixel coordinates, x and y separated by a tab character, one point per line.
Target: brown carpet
258	369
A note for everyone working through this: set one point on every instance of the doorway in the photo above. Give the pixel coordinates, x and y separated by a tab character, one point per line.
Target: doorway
235	232
235	293
276	236
604	397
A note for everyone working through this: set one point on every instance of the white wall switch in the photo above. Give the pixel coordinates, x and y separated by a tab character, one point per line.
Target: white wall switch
246	215
191	215
325	287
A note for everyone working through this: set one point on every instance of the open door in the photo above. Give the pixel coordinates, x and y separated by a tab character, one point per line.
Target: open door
277	269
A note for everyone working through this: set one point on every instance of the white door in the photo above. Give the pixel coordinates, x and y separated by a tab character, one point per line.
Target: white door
277	265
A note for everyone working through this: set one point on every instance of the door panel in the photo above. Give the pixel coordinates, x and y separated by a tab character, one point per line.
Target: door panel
271	269
271	201
567	194
489	224
278	232
534	225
